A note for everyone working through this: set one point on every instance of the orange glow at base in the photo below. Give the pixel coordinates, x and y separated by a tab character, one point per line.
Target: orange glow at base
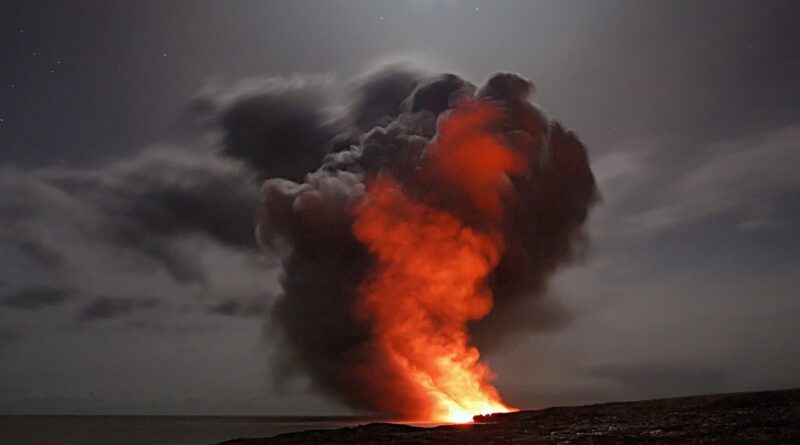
432	270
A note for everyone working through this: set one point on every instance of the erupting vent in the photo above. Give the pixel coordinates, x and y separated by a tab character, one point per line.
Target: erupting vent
419	239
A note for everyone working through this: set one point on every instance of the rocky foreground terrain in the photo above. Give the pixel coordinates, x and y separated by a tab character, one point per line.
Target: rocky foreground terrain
761	417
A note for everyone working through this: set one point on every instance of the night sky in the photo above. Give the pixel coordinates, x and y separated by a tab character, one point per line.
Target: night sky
123	291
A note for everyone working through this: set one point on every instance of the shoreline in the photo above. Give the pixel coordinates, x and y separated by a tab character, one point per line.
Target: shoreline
751	417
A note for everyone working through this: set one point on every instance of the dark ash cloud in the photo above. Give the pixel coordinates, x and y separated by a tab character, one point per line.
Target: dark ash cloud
277	126
325	264
105	308
166	208
232	307
380	96
151	204
36	297
174	223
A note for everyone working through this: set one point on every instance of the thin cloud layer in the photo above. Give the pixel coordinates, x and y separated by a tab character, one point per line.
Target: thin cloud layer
104	308
168	225
748	180
35	297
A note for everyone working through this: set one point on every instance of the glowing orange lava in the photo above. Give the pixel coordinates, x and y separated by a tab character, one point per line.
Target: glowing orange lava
432	268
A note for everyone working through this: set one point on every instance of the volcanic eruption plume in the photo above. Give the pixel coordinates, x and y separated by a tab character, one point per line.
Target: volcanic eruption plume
438	211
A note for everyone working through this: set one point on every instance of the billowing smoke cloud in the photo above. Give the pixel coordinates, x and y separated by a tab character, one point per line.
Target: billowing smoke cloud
391	125
187	217
280	127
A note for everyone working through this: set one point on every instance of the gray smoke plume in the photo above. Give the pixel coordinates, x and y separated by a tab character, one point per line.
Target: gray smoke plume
385	131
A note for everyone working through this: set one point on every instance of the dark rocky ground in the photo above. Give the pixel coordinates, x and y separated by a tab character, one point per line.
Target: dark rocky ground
760	417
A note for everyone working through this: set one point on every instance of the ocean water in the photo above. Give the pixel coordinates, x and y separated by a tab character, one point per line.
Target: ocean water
154	430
